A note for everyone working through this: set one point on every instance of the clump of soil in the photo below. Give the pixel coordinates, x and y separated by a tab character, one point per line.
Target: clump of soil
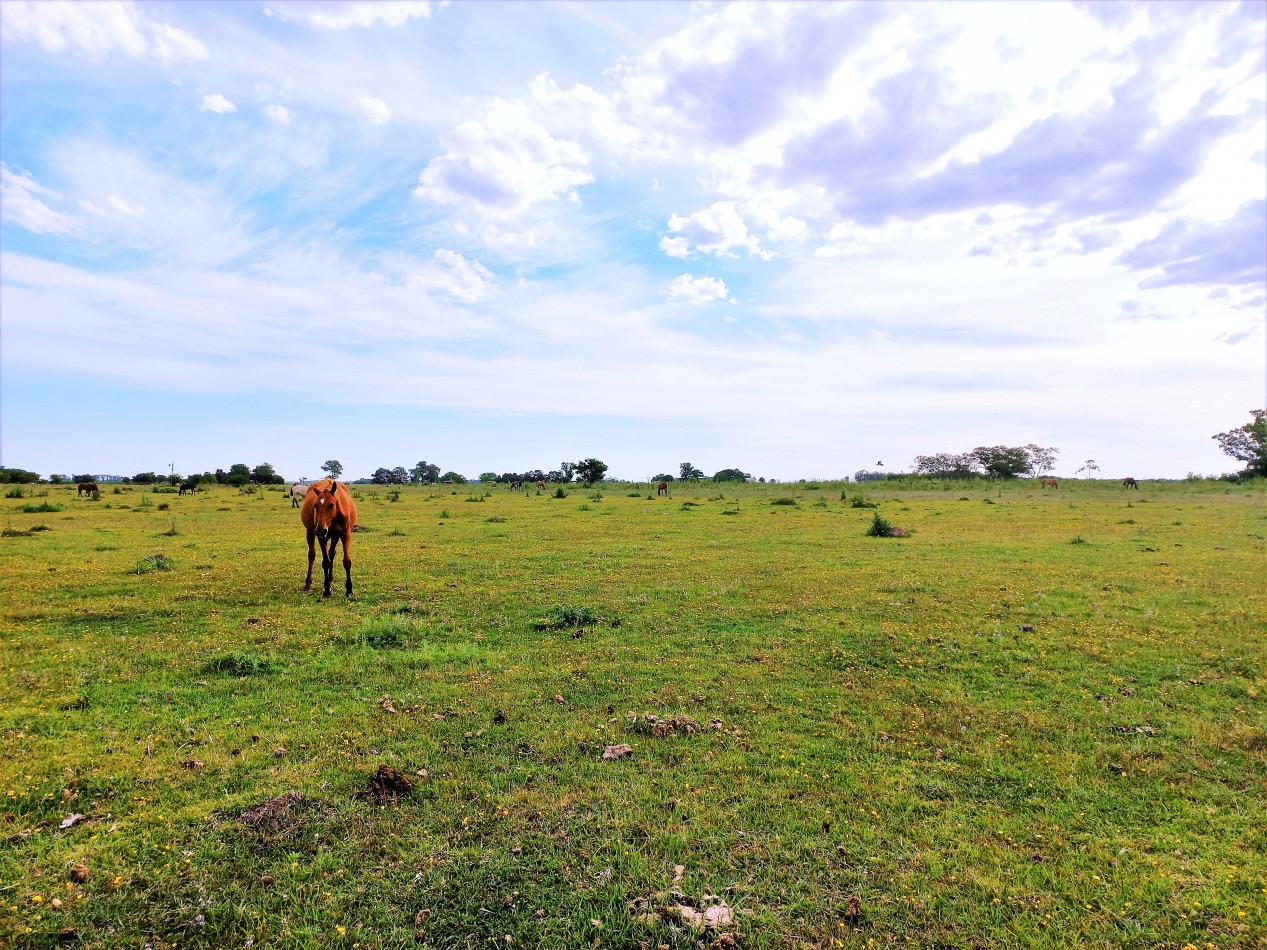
281	822
660	726
386	787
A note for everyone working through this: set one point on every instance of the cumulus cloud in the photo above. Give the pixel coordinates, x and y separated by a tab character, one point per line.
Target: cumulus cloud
97	30
217	103
451	275
503	163
1189	251
20	203
376	111
716	230
696	291
330	15
278	113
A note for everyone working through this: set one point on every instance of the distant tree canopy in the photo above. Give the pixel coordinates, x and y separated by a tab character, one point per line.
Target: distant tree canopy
1248	444
454	478
333	468
424	473
591	470
18	476
238	474
732	475
144	478
687	471
662	478
862	475
389	476
992	461
265	474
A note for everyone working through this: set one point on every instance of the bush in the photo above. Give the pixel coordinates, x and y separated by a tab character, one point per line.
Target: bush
860	502
41	508
155	562
784	501
570	615
18	476
559	493
881	528
14	492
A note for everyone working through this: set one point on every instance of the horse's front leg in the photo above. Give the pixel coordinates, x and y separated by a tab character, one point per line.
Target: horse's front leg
312	553
347	561
327	563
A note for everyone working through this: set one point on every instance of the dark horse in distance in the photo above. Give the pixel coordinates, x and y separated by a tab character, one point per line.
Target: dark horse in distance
329	515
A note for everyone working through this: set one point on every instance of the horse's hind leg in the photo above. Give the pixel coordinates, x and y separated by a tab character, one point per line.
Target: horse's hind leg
347	564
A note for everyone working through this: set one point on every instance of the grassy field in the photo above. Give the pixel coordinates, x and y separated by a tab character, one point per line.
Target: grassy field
1038	720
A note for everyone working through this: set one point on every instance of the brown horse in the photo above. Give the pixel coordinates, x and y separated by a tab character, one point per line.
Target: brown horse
329	515
662	489
1129	482
87	488
540	485
1050	483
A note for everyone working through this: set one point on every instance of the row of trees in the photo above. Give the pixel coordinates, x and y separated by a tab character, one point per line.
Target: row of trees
688	472
589	471
992	461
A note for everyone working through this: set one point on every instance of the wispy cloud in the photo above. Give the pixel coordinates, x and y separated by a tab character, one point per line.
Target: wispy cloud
97	30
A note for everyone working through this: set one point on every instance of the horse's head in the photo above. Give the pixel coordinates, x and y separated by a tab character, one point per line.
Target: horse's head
325	511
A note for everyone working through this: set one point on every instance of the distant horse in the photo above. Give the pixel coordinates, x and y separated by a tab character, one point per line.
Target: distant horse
1129	482
662	489
297	492
87	488
516	485
329	515
540	485
191	487
1049	483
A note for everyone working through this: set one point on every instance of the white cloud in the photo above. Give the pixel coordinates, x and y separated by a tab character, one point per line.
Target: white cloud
503	163
678	247
716	230
449	274
97	29
696	290
342	16
217	103
278	113
376	111
19	203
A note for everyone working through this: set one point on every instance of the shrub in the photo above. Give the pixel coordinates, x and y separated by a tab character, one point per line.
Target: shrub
1078	539
41	508
558	493
240	664
784	501
164	506
13	492
36	528
394	495
496	519
860	502
880	527
146	501
444	512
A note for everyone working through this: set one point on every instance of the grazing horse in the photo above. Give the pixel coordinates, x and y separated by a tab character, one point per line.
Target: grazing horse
1129	482
516	485
87	488
1049	483
662	489
329	514
297	492
191	487
540	485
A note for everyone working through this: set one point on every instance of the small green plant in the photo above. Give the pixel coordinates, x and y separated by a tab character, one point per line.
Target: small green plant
155	562
784	501
1079	539
860	502
584	507
383	633
880	527
475	498
821	503
496	519
635	494
444	513
395	533
164	506
248	490
394	495
41	508
36	528
240	664
565	616
558	493
987	501
146	501
13	492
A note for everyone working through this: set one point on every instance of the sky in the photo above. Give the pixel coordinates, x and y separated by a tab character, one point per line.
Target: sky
796	240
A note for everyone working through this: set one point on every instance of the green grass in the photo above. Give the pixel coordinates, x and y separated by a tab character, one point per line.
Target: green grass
988	735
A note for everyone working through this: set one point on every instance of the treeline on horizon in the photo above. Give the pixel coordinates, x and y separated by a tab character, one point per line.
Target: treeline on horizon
1247	444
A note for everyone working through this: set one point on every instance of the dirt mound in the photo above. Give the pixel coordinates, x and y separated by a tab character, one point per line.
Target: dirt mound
286	821
387	786
660	726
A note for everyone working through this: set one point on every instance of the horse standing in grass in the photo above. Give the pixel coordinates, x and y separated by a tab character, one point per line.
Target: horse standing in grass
662	489
1050	483
329	515
540	485
191	487
297	492
87	488
1129	482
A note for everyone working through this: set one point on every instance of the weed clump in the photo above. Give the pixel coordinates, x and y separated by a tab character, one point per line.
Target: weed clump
155	562
882	528
41	508
565	616
783	501
13	492
240	664
382	633
1079	539
559	493
860	502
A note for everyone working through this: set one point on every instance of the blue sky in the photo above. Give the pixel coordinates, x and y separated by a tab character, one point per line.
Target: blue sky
792	239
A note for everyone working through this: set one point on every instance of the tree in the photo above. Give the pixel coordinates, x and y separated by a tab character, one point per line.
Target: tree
591	470
18	476
1041	460
1248	444
945	465
238	474
381	476
453	478
567	470
555	477
1090	468
487	477
1001	461
399	475
82	478
731	475
265	474
333	468
687	471
145	478
424	473
662	478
